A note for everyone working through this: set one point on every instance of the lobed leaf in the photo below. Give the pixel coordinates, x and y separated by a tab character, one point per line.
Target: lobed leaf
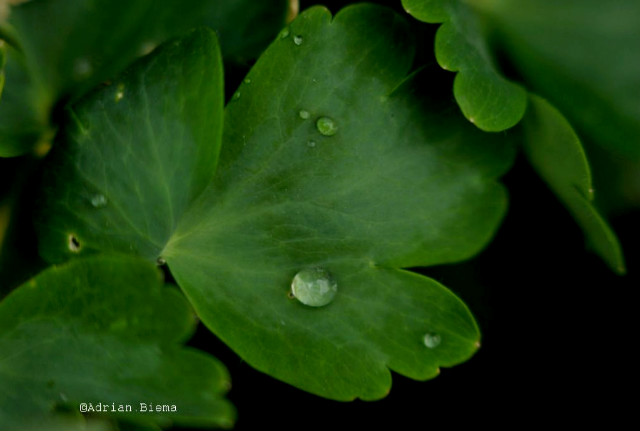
556	153
332	158
133	155
103	330
331	161
485	96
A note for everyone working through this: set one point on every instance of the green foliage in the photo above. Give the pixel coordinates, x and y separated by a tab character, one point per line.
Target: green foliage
485	96
293	219
103	329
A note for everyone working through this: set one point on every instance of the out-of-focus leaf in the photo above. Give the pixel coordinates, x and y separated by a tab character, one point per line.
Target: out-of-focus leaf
582	55
555	152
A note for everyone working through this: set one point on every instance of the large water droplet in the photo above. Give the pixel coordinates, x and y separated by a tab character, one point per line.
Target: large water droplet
431	340
99	201
304	114
326	126
314	287
297	40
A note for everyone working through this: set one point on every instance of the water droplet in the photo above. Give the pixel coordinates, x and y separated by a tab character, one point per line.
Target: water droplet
431	340
236	95
311	144
82	68
63	397
314	287
99	201
73	243
297	40
284	33
119	92
326	126
161	261
247	81
304	114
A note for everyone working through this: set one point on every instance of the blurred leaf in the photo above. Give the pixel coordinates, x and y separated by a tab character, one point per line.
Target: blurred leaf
484	95
103	331
555	152
70	46
582	55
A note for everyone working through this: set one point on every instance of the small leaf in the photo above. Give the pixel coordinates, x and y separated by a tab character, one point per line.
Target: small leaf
555	152
583	58
484	95
133	155
103	331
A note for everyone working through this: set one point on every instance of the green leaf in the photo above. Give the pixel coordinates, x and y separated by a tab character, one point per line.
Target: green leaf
103	331
485	96
70	46
133	155
400	180
583	57
555	152
23	117
332	158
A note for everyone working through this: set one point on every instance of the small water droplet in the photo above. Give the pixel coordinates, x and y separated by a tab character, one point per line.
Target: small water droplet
82	68
304	114
284	33
99	201
314	287
119	92
73	243
473	120
431	340
297	40
161	261
326	126
236	95
311	144
247	81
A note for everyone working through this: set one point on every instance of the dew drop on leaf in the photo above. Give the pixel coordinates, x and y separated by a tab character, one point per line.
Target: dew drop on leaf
326	126
284	33
236	95
311	143
297	40
431	340
314	287
304	114
161	261
82	68
119	92
98	201
247	80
